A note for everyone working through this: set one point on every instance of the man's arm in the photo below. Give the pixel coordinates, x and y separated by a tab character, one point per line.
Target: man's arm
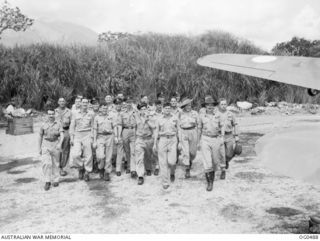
40	140
156	135
72	129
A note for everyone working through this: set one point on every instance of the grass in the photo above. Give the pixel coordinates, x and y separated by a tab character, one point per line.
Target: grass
140	64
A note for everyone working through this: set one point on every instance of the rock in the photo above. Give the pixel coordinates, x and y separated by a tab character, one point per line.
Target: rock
233	109
258	110
271	104
244	105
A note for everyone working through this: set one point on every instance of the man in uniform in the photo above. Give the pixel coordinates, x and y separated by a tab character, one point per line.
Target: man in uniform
109	102
77	104
160	97
189	122
165	143
50	143
128	123
104	128
144	143
118	140
95	111
211	144
81	140
174	107
63	115
231	132
154	117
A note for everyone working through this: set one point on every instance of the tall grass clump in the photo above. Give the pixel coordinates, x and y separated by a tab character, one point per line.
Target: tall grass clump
140	64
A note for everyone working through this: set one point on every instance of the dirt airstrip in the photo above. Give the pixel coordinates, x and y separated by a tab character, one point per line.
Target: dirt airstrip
252	199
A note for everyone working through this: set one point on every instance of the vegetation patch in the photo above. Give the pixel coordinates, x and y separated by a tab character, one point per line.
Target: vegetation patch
26	180
250	176
283	211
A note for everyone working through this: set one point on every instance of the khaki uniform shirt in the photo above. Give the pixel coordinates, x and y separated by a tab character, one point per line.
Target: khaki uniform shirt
127	119
103	124
228	120
189	119
168	126
210	124
51	131
63	116
82	122
143	128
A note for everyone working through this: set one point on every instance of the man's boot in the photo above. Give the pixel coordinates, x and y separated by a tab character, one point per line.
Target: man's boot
223	175
187	175
47	186
140	180
101	173
81	173
208	181
133	174
86	176
107	177
63	172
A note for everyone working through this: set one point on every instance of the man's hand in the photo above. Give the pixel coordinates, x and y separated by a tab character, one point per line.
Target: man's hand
179	146
40	152
198	146
71	142
94	145
237	139
154	148
116	141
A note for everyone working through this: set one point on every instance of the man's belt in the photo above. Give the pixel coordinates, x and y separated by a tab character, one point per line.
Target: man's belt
105	133
211	136
167	136
128	127
50	140
145	137
188	128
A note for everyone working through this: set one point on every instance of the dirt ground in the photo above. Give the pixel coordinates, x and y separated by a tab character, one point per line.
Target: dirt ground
251	200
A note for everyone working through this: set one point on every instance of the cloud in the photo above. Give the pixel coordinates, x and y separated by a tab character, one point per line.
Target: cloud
264	22
306	23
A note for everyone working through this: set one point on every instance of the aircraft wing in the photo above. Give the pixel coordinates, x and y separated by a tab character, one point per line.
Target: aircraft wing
300	71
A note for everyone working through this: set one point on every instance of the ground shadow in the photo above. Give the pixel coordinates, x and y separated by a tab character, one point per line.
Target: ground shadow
17	163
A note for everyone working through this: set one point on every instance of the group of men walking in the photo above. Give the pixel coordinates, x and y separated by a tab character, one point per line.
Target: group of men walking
142	139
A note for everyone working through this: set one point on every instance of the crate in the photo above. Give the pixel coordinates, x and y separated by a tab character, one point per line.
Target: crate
20	126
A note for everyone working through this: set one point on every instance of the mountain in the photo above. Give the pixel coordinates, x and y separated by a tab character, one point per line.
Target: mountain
55	32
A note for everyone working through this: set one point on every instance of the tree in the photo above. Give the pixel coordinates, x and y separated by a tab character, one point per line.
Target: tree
12	18
295	47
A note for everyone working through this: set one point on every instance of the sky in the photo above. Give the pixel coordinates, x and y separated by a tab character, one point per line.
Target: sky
263	22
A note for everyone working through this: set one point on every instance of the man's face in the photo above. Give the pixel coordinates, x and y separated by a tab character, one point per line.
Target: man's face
173	102
118	107
166	110
104	110
178	98
77	102
124	106
210	108
161	99
158	108
120	96
223	105
129	106
84	104
145	99
143	110
187	107
62	103
108	99
95	107
51	115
